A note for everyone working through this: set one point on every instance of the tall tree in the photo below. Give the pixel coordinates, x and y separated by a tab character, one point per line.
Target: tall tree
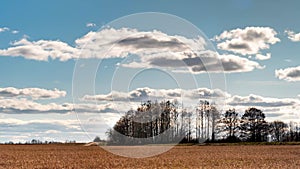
230	122
253	124
215	116
201	112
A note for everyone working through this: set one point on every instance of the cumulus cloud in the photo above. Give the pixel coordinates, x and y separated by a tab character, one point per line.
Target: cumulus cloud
144	94
274	107
233	63
120	43
34	93
198	62
25	106
4	29
247	41
295	37
107	43
139	94
255	100
152	49
90	24
41	50
290	74
21	106
263	57
285	109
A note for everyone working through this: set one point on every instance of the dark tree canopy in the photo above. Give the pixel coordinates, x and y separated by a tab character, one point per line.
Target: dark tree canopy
253	125
145	124
97	139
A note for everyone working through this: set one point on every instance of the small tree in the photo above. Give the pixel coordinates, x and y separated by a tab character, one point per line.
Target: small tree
97	139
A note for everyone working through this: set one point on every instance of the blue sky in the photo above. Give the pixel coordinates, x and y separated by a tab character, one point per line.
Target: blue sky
66	22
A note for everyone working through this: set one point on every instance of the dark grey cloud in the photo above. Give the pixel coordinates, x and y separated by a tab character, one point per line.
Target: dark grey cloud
244	46
149	42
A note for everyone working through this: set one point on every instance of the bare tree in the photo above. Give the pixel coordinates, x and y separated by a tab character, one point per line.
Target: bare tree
230	122
277	128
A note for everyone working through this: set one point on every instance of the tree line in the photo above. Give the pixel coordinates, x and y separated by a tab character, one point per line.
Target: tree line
166	122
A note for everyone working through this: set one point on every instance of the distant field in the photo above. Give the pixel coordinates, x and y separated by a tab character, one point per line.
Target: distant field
78	156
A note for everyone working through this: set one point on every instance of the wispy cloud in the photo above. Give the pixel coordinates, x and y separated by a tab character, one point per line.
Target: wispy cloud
14	31
4	29
90	24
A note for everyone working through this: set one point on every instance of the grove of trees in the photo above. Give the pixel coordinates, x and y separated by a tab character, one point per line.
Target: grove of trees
167	122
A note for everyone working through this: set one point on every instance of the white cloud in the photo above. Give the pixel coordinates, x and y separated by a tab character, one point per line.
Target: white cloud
247	41
14	121
275	108
17	106
287	60
123	41
119	43
284	109
233	63
255	100
14	31
263	57
295	37
144	94
4	29
201	62
137	95
43	129
34	93
25	106
90	24
153	49
41	50
290	74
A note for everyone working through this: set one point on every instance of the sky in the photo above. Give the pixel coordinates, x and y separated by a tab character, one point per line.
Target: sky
69	69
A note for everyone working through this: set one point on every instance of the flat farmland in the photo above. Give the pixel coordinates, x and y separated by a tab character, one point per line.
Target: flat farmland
79	156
